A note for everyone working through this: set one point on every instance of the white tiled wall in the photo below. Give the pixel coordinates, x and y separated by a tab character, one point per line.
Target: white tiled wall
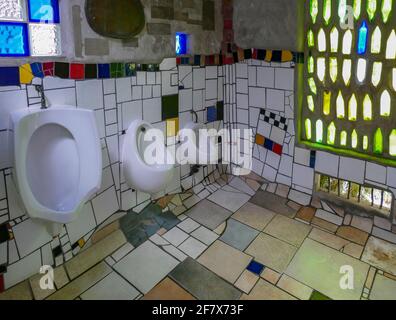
116	103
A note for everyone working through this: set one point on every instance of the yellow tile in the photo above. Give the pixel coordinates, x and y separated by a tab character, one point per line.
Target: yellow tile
172	127
81	242
268	55
287	56
25	74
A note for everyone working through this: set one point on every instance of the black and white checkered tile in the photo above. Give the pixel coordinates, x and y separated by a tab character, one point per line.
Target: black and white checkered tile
273	119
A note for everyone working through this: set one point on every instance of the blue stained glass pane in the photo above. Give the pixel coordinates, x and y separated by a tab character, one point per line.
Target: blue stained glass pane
181	43
13	39
362	39
44	11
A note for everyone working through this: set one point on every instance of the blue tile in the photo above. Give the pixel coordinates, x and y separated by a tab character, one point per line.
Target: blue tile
13	40
255	267
212	114
9	76
44	11
37	69
312	159
104	71
268	144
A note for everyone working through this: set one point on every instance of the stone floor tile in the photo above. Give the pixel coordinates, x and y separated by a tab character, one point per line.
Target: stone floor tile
229	199
295	288
146	266
221	228
288	230
323	224
38	293
75	288
353	250
353	234
266	291
238	235
254	216
370	278
175	236
192	247
112	287
270	275
105	232
273	203
365	224
241	185
94	254
60	277
209	214
328	239
188	225
246	281
380	254
169	290
175	252
205	235
122	252
271	252
21	291
306	214
202	283
225	261
383	289
322	273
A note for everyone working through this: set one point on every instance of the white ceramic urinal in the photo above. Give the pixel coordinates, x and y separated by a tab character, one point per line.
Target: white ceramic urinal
57	161
139	173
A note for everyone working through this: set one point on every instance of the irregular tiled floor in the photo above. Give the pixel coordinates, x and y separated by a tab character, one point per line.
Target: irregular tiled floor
238	238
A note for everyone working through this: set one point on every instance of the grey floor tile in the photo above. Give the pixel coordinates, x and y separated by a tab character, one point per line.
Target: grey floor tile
202	283
209	214
238	235
274	203
230	198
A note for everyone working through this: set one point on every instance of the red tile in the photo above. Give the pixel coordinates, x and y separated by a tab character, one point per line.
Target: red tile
178	61
48	68
228	24
277	149
1	283
254	54
77	71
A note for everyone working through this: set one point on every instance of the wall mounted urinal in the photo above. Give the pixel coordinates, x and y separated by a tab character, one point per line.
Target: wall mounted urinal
139	173
57	161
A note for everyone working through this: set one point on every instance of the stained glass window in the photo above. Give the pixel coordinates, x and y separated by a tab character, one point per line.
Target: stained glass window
29	28
350	79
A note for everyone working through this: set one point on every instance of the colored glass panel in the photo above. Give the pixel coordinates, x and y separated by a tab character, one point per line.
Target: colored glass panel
331	134
321	68
13	39
357	8
378	142
377	73
340	103
326	102
327	11
354	139
392	143
334	35
311	104
347	42
321	41
319	131
362	39
385	104
13	10
371	8
343	138
308	129
367	108
386	9
44	11
333	69
314	10
391	46
376	41
361	70
346	71
352	109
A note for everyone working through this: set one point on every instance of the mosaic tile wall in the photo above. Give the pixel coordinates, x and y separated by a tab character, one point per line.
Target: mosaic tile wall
164	98
262	97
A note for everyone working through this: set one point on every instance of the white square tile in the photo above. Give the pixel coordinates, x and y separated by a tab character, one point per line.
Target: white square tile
67	97
15	205
147	92
198	78
27	243
112	287
109	86
303	176
276	100
327	163
375	172
193	247
211	72
243	116
278	135
265	77
242	86
352	170
100	122
151	78
167	87
198	100
205	235
131	111
5	159
302	156
112	144
124	89
105	205
284	79
141	78
391	177
286	165
269	173
146	266
175	236
111	116
110	101
188	225
257	97
185	100
242	101
211	89
11	101
241	70
252	76
57	83
230	200
264	128
156	91
152	110
137	92
84	224
22	269
89	94
185	76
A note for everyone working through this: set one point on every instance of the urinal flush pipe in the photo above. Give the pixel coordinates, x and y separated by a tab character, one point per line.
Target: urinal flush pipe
40	91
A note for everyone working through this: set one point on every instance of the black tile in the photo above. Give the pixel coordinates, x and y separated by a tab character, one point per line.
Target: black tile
220	111
91	71
276	56
3	269
57	251
170	107
248	54
4	234
261	54
262	111
62	70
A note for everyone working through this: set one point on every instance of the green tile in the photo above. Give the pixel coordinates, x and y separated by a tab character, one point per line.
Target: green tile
170	107
117	70
91	71
318	296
